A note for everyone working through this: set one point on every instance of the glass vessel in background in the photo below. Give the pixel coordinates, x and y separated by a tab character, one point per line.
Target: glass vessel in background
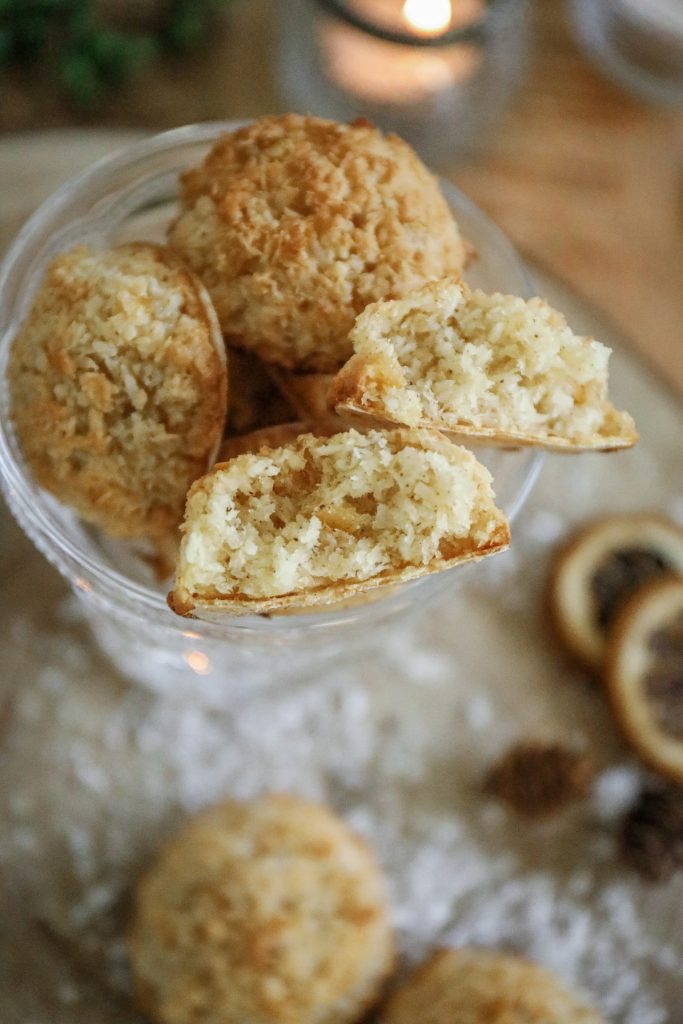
637	42
132	194
436	72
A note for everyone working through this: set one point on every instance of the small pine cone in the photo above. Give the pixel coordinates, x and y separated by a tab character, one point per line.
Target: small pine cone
538	779
652	833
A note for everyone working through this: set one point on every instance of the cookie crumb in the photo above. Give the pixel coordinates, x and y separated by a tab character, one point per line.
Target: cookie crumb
539	779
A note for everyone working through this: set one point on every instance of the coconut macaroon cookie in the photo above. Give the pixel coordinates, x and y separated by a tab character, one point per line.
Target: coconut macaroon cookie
295	224
491	367
477	986
322	518
271	912
118	383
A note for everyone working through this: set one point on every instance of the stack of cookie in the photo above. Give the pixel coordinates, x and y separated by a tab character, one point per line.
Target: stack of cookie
323	259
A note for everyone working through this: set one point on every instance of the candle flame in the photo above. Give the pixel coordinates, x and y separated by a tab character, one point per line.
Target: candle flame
428	17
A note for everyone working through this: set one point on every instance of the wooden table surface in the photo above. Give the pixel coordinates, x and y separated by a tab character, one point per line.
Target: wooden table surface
583	177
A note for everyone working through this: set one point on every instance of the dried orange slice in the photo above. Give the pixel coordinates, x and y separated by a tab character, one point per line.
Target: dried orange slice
644	675
600	568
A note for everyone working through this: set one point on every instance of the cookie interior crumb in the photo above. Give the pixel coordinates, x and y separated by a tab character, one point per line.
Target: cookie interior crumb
320	511
464	359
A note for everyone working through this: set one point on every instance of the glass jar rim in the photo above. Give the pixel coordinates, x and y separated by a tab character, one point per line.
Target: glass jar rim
103	582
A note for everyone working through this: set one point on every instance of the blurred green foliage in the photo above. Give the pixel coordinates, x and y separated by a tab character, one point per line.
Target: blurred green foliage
89	54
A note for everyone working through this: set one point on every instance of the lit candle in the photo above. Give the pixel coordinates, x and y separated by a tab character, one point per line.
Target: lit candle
436	72
398	74
428	18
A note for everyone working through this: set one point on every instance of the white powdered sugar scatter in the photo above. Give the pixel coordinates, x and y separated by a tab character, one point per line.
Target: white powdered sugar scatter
399	745
97	773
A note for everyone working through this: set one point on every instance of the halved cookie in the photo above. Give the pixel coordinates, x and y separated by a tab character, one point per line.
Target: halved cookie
321	519
644	675
493	368
482	986
600	568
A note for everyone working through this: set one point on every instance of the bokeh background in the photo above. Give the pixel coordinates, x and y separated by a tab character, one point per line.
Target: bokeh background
584	175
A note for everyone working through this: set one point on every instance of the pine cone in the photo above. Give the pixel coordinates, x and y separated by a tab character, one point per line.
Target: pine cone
652	833
538	779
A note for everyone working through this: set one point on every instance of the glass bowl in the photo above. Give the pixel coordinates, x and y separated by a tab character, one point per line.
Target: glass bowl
132	194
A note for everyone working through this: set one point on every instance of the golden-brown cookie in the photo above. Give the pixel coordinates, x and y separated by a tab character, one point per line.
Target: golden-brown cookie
295	224
599	568
321	519
477	986
644	675
490	368
118	380
270	912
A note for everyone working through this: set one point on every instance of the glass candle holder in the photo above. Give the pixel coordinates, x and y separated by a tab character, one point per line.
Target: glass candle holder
640	44
130	195
436	72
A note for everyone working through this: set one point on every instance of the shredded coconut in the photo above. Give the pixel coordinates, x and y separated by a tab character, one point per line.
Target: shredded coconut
459	358
383	742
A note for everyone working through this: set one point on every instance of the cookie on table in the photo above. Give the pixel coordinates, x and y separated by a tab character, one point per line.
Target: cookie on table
477	986
323	518
490	368
295	224
270	912
600	568
119	386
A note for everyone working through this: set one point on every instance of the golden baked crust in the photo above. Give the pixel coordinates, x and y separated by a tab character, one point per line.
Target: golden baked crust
267	437
295	224
270	912
321	519
477	986
491	368
650	721
275	436
118	381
